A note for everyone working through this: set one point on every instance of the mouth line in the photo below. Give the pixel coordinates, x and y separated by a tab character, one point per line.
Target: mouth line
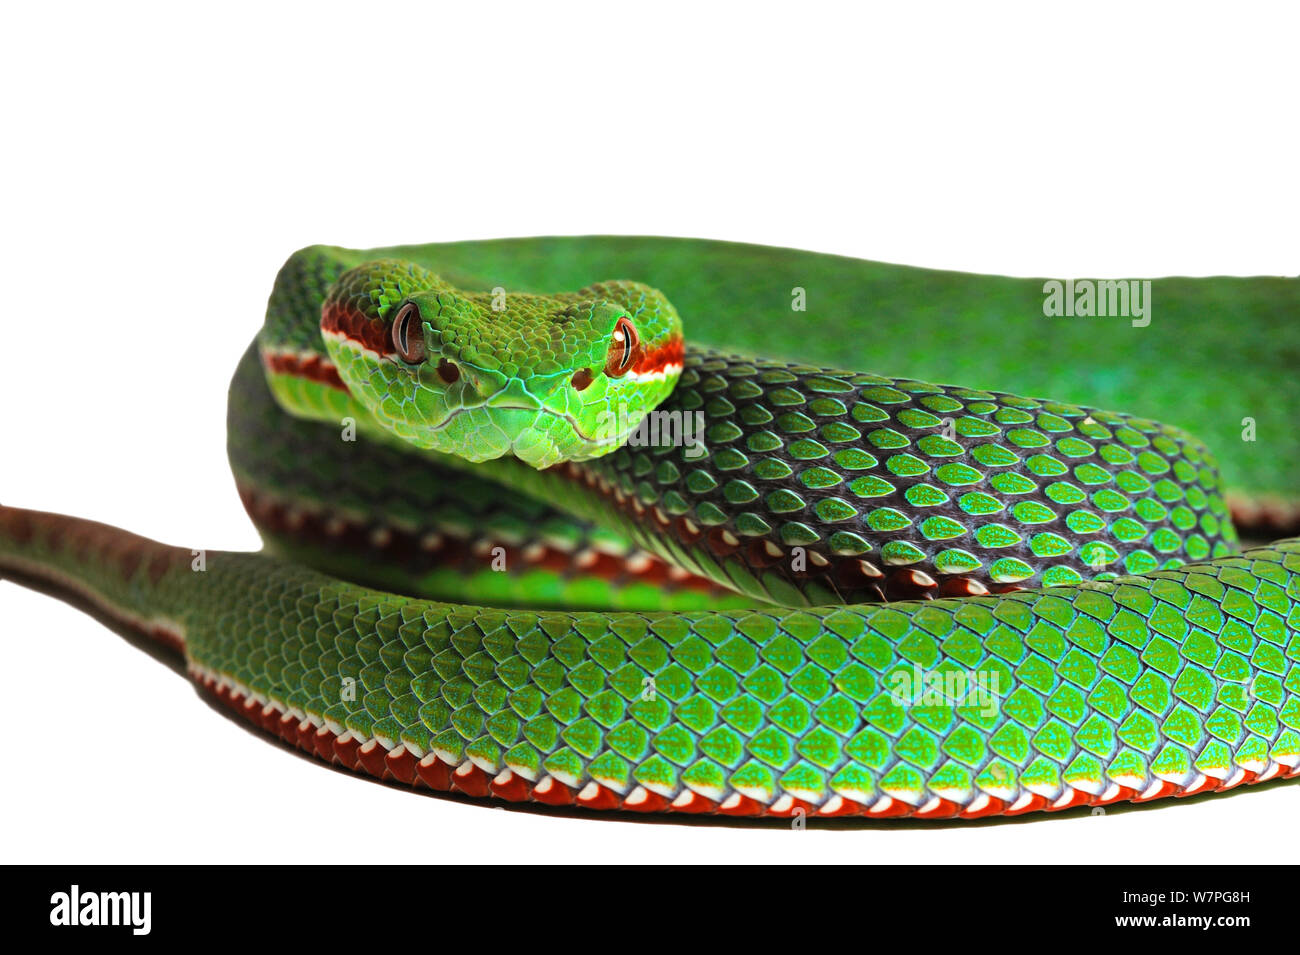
568	419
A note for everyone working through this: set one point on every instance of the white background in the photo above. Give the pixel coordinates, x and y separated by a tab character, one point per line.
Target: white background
160	162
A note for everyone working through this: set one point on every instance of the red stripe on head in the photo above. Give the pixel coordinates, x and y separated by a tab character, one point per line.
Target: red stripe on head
340	318
671	352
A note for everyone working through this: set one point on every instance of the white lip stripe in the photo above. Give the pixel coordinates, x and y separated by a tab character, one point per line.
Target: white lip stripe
669	369
347	341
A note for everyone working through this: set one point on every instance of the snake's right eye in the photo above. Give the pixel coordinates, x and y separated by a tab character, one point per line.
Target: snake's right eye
408	335
624	348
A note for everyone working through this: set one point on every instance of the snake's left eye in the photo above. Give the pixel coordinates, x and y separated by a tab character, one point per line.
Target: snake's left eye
408	336
624	348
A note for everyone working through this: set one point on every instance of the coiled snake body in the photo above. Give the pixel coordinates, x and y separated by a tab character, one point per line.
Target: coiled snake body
651	571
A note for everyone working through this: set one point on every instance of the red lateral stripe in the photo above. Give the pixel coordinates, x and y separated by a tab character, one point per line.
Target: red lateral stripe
315	368
339	318
671	352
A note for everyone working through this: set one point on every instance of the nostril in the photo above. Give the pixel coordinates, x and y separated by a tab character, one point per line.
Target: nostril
448	371
581	378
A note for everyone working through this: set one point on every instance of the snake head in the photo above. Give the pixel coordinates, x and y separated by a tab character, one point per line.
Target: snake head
546	378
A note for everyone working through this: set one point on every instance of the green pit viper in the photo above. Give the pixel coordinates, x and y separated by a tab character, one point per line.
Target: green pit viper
587	548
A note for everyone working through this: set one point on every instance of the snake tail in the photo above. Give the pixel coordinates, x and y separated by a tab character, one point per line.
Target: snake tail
125	580
760	712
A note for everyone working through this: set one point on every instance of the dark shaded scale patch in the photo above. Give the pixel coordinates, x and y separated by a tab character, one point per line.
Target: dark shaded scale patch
852	487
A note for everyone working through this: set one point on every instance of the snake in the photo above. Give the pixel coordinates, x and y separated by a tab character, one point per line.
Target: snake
589	548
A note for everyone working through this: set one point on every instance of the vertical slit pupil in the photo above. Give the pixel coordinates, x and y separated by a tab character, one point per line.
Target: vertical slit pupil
625	336
624	347
406	340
